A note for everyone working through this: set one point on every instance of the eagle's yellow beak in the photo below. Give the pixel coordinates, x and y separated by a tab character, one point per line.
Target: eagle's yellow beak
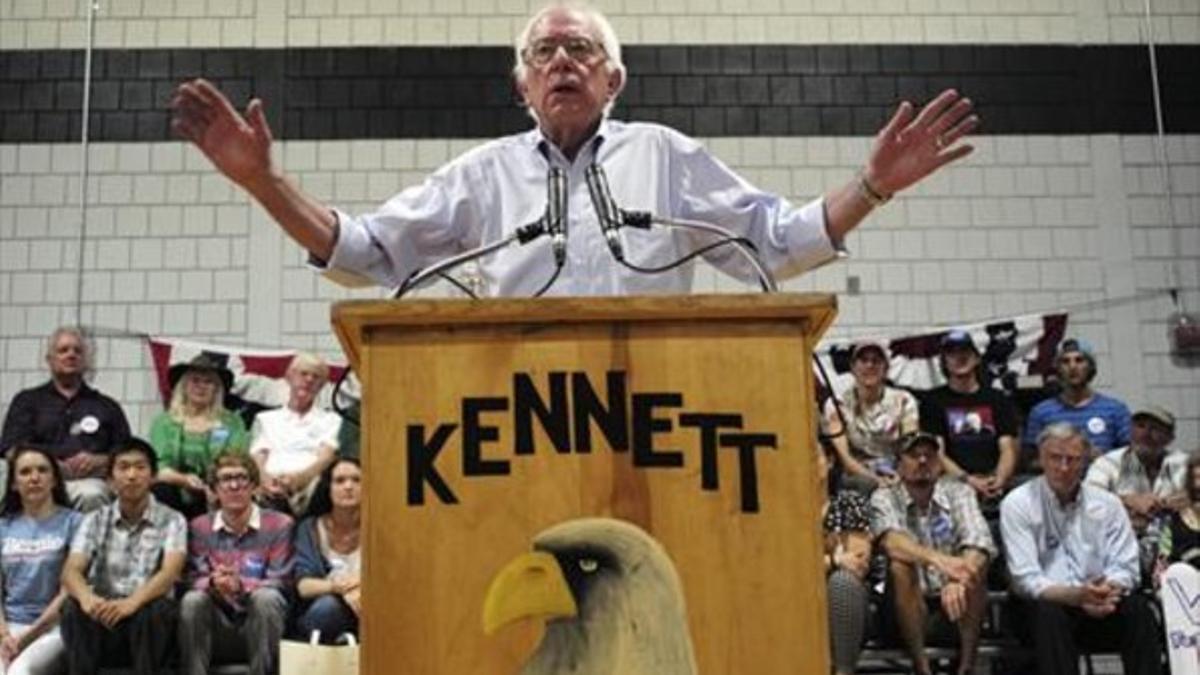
531	585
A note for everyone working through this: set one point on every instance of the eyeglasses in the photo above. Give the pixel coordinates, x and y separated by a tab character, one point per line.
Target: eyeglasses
579	49
233	481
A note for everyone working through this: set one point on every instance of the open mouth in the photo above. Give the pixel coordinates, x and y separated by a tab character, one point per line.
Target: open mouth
565	87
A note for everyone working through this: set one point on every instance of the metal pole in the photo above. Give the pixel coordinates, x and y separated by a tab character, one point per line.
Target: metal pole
84	131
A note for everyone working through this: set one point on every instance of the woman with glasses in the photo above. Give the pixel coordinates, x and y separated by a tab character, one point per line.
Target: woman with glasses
36	527
189	434
329	554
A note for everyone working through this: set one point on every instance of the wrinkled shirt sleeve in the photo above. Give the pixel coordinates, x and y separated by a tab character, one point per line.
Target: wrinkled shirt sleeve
419	226
790	239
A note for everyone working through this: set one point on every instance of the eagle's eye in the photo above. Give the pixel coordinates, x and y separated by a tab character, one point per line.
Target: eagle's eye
588	565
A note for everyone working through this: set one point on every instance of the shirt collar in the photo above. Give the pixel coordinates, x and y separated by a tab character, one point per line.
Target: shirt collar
114	515
940	498
84	389
553	155
1048	495
255	522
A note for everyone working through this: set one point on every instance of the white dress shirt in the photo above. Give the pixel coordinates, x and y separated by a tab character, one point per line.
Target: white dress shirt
488	192
1051	544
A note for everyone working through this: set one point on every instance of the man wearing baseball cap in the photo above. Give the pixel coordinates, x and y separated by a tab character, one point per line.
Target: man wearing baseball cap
938	544
865	424
1149	478
978	425
1103	419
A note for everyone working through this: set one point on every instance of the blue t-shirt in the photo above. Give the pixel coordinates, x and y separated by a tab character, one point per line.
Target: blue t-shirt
31	557
1103	419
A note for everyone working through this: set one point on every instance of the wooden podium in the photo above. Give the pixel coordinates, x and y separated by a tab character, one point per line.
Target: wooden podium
487	422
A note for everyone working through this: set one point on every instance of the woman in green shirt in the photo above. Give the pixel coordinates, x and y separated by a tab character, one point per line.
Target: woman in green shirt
189	434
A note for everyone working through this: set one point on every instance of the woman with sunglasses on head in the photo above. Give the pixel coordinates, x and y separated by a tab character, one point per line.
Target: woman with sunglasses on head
189	434
329	554
36	527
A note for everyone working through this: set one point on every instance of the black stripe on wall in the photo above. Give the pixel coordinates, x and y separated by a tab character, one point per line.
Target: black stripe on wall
451	92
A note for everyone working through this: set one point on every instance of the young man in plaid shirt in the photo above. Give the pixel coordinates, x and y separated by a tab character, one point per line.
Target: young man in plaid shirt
123	565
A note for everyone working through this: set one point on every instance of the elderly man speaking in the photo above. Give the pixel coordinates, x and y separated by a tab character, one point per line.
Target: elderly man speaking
569	73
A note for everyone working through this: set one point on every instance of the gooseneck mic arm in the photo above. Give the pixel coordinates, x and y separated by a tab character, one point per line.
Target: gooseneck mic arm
553	222
612	218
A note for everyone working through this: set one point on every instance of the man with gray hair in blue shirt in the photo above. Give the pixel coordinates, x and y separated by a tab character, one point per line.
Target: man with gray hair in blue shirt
1073	557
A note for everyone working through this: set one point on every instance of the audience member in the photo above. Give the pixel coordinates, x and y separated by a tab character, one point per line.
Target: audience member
123	565
79	425
1103	419
937	543
240	564
295	443
329	554
36	527
978	425
1180	538
1149	479
866	426
1073	556
847	525
194	429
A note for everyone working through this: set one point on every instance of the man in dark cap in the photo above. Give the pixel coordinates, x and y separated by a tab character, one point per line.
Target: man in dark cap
978	425
938	545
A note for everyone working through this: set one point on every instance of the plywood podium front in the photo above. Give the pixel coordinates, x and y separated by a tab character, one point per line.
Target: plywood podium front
487	423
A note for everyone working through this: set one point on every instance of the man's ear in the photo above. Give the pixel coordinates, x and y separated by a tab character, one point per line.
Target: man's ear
521	90
616	83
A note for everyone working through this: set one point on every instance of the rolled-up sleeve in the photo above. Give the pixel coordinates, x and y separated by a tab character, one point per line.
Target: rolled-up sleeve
885	515
422	224
974	531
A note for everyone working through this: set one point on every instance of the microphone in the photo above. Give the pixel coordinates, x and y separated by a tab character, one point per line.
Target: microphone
556	213
606	209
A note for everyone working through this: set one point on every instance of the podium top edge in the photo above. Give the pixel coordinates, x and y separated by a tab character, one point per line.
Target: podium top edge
716	306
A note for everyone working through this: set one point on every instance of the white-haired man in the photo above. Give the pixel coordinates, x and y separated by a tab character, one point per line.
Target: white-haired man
569	72
1073	559
78	425
295	443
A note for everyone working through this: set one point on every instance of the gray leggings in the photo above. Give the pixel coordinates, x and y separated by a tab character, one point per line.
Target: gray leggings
847	618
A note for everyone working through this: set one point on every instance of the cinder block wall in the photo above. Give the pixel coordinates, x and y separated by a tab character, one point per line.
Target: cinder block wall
1061	204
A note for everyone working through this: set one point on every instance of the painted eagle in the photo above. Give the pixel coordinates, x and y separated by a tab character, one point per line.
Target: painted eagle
611	598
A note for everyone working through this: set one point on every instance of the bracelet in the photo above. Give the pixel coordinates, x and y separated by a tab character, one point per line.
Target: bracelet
872	196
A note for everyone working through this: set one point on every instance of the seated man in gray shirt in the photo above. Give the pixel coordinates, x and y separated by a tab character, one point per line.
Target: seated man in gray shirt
1072	554
939	546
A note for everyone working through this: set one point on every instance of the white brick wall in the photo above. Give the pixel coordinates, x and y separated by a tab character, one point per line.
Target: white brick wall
1027	224
971	244
48	24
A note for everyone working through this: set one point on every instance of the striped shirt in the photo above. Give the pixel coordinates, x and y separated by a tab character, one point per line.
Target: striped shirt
951	524
262	554
124	555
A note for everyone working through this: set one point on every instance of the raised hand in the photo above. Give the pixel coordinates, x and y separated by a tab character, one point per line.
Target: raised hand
912	146
239	146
